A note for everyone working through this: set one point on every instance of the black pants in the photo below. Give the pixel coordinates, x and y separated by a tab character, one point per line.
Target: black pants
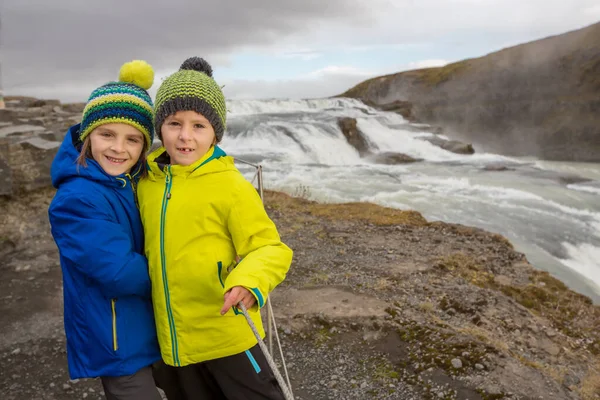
244	376
139	386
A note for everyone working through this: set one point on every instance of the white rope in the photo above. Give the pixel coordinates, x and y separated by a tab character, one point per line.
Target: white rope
271	324
287	392
287	376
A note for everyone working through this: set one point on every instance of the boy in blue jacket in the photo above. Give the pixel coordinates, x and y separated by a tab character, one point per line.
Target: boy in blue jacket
108	317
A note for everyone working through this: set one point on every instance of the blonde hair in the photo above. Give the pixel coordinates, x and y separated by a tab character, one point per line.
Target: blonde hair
86	152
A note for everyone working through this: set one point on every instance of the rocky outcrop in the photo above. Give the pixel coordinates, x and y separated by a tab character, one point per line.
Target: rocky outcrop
31	131
404	108
537	99
453	146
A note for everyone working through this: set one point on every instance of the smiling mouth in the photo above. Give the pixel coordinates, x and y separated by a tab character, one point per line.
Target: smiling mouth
185	149
115	160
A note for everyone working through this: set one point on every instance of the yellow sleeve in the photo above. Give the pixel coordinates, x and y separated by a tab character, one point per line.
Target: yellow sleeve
265	260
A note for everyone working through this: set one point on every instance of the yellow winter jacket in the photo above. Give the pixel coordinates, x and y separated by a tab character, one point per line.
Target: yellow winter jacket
197	219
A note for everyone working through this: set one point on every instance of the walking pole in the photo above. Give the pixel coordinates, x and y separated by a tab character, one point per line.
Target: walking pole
2	104
269	308
270	317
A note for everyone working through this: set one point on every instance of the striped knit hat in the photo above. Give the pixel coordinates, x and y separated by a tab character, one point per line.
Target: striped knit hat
192	88
125	101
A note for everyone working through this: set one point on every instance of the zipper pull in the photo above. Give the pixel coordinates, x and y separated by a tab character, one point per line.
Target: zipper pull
168	182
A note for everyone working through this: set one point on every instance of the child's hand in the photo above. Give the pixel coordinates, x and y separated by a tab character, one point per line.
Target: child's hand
235	295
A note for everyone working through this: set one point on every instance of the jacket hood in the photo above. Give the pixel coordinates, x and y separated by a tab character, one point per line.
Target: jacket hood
215	160
64	166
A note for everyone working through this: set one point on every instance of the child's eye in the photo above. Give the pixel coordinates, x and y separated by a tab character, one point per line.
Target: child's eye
198	126
173	123
105	134
134	140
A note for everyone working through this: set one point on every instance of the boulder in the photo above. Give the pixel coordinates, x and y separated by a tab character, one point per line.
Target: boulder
354	136
391	158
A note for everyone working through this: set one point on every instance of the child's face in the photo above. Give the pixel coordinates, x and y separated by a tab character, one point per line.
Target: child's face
116	147
187	136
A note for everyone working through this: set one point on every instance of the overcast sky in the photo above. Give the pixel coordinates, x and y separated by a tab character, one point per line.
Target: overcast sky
261	48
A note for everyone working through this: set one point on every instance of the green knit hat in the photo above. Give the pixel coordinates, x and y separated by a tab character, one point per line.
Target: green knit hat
125	101
192	88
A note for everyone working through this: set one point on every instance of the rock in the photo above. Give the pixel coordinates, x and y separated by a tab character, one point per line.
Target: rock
549	347
571	380
16	351
497	167
456	363
479	367
502	280
29	162
42	103
453	146
532	342
13	130
390	158
353	135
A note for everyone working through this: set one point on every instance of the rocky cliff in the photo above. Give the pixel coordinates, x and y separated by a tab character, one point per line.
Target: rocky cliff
540	98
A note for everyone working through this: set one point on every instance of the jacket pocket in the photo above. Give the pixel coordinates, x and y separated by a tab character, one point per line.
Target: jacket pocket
113	306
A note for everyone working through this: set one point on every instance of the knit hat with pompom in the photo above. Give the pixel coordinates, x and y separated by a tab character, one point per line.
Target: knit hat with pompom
192	88
125	101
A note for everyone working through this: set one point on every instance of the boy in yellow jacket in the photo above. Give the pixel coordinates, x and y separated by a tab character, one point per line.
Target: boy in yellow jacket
200	214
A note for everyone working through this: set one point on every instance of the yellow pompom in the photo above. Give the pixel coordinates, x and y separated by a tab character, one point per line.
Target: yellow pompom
138	72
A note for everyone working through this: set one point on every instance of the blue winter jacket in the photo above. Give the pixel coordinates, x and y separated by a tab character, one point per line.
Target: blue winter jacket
109	321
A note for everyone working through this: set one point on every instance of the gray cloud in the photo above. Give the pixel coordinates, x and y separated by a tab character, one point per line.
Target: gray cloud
52	48
49	43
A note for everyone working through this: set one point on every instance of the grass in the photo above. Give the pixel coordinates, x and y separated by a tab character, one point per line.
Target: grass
384	371
549	297
432	346
558	374
365	212
320	278
436	76
590	386
426	76
466	266
484	336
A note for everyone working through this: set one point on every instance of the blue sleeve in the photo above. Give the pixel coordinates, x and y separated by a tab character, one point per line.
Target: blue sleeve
98	247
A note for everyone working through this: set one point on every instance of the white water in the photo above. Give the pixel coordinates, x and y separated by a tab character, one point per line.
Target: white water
552	218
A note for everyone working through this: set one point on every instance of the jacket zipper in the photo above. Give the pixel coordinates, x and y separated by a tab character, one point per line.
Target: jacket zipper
134	189
173	331
113	303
